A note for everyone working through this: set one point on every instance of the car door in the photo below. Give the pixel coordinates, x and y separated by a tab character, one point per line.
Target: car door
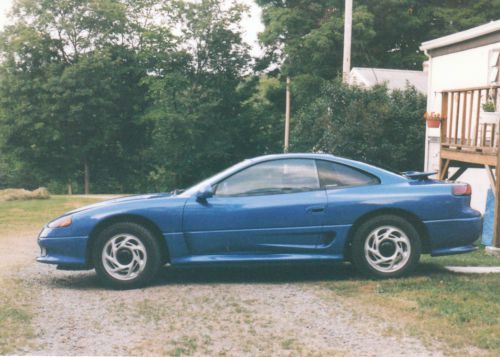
275	206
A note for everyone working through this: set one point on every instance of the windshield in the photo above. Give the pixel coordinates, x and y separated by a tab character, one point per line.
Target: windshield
215	178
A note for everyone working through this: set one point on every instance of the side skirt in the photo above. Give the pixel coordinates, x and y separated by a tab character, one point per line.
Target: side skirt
255	258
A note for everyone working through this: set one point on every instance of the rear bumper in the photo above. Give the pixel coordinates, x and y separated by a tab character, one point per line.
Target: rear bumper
454	236
67	251
456	250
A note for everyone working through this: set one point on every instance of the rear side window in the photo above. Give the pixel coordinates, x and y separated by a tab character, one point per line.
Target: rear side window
333	175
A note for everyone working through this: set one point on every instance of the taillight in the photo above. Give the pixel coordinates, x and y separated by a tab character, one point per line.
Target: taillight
462	189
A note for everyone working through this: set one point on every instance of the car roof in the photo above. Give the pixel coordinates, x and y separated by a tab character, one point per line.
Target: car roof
293	155
386	177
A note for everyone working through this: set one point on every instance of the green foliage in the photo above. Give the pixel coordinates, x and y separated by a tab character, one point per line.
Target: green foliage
307	36
489	106
71	92
373	125
153	95
147	105
67	115
401	26
198	104
205	113
304	39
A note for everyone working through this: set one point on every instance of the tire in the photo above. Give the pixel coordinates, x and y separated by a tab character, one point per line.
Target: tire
386	246
126	256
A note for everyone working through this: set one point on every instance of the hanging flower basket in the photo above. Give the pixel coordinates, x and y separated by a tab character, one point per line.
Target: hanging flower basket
489	115
489	118
433	119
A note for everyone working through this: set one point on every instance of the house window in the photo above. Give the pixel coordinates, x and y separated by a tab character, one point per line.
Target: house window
494	67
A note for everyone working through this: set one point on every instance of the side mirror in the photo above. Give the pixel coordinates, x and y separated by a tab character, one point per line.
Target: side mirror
204	193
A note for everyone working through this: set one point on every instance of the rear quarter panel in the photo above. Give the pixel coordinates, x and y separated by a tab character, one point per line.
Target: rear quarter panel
428	202
444	215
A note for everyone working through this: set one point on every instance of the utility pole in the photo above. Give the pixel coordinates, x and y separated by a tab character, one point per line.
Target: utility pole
287	115
346	66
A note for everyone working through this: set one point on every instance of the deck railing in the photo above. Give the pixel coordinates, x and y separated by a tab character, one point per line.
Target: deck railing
469	139
461	127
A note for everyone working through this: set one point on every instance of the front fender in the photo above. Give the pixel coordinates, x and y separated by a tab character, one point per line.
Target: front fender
165	213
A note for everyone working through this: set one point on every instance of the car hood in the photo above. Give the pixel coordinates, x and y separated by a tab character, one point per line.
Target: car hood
118	200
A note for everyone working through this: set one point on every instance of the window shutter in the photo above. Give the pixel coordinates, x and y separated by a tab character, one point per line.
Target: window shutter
494	66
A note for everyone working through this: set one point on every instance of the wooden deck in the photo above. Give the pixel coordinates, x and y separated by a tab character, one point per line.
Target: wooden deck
468	142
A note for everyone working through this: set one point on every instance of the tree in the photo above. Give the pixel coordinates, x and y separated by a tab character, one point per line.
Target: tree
304	39
306	36
401	26
113	89
70	90
202	110
373	125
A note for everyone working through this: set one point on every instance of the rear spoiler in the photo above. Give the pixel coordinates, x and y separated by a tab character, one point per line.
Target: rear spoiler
417	175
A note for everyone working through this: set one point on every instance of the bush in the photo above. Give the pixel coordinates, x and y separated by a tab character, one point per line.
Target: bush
373	125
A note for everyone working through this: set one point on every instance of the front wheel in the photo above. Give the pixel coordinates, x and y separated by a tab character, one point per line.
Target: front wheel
126	255
386	246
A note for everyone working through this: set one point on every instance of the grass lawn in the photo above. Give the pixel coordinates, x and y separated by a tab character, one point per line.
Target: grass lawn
28	217
461	310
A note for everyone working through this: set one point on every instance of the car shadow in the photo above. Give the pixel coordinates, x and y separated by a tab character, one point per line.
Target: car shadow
261	274
274	274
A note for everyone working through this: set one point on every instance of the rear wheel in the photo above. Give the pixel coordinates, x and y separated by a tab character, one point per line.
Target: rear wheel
385	247
126	255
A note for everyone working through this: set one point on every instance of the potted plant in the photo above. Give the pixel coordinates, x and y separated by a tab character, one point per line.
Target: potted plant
489	115
433	119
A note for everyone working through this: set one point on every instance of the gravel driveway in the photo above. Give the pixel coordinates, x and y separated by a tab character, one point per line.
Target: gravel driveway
266	311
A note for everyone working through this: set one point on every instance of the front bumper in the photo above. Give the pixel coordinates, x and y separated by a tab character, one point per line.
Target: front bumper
64	251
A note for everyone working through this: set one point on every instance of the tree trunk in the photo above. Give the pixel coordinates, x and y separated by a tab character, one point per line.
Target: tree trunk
86	177
70	189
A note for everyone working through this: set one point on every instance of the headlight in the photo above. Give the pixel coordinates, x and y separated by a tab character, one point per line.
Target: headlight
61	222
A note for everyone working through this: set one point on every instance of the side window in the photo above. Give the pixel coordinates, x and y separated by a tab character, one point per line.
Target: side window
272	177
333	175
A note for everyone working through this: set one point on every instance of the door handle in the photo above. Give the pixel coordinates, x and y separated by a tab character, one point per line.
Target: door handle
315	209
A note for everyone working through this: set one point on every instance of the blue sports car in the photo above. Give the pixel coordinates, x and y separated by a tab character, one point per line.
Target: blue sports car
275	208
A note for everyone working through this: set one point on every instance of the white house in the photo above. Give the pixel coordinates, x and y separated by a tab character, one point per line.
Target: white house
462	61
393	78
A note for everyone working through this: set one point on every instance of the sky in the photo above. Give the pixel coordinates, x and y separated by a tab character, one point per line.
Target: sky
4	7
251	25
